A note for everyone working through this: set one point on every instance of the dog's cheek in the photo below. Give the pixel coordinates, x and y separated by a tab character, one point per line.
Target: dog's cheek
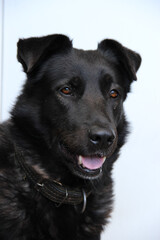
52	111
63	123
118	113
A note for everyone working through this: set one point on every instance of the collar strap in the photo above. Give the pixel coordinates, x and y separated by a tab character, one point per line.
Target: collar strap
52	189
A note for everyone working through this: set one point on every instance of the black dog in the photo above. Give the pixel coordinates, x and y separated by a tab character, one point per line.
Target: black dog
64	134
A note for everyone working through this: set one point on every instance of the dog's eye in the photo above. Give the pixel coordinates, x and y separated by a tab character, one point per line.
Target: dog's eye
114	93
66	90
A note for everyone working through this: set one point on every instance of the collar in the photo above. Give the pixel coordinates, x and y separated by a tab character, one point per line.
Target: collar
50	188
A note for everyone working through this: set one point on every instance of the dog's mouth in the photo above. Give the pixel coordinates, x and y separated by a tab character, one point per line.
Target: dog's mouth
86	167
89	167
91	163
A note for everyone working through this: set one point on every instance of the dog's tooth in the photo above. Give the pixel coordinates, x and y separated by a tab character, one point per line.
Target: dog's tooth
80	160
104	158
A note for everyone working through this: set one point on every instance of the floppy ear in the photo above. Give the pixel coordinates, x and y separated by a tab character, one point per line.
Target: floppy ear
33	51
128	60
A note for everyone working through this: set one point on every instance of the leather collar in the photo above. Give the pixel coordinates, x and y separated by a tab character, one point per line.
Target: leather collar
50	188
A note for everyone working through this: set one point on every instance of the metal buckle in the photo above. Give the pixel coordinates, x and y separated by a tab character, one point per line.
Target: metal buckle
39	185
84	201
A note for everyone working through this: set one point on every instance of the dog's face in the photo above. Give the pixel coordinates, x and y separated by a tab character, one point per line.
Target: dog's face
78	96
87	111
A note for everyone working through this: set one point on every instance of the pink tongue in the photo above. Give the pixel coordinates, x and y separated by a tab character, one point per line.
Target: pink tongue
92	162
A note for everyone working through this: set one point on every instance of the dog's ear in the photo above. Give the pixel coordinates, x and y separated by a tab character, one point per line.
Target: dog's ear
127	60
33	51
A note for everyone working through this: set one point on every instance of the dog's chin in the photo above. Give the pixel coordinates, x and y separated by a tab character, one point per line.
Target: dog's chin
86	167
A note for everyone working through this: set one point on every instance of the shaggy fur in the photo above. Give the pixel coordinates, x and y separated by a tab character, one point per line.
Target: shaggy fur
71	105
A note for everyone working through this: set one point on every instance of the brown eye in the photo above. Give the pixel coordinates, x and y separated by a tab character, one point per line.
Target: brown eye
114	93
66	90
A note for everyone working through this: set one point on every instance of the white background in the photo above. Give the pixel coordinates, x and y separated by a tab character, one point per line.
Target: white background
136	24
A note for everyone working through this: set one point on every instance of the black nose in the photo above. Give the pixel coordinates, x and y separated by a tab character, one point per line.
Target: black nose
101	136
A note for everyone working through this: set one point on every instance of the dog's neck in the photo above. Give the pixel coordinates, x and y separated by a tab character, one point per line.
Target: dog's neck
51	189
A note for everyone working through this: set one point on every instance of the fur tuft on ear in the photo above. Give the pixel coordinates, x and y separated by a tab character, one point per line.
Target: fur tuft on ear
33	51
128	60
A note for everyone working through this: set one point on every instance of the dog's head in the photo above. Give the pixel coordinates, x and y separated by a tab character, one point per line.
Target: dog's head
73	99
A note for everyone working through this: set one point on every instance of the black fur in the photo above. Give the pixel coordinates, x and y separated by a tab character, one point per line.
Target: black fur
65	109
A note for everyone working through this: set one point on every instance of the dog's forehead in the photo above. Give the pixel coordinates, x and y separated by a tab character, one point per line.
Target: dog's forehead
91	60
85	64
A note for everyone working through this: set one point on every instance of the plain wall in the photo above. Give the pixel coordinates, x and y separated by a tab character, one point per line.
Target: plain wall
136	24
